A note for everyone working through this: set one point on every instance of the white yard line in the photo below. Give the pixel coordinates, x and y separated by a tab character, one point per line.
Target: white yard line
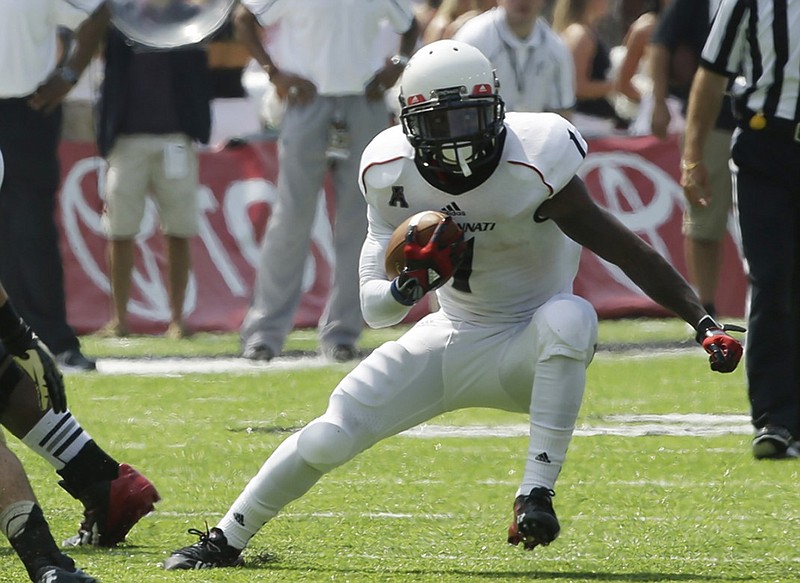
693	425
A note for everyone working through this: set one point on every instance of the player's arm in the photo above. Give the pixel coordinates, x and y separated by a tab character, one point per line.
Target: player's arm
596	229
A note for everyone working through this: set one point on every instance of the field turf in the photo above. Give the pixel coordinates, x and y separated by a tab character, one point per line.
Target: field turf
659	484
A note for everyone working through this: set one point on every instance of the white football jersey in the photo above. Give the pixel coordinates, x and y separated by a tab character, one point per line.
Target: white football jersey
514	264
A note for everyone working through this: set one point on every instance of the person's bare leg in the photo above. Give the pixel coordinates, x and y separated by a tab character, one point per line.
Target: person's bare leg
14	485
121	254
703	260
179	264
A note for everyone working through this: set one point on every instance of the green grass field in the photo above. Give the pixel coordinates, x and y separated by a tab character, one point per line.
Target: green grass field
683	507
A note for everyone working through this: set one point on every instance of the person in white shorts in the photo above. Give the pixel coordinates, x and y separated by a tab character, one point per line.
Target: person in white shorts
509	335
155	110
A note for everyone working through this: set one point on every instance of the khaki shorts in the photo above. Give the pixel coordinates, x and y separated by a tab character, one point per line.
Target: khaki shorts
710	223
164	166
78	121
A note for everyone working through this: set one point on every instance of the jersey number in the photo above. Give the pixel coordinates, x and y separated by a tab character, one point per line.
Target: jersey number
461	276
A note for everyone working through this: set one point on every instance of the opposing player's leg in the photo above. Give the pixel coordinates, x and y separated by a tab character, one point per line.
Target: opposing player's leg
396	387
563	333
23	523
114	495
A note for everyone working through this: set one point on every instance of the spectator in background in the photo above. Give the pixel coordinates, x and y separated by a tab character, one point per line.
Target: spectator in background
533	66
576	21
322	63
451	15
154	106
31	92
424	11
675	52
759	39
632	83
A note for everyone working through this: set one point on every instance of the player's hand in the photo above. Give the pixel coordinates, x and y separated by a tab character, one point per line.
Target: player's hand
39	364
428	267
724	350
33	357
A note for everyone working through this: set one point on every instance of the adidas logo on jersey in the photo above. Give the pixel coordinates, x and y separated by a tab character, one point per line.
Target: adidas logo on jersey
453	210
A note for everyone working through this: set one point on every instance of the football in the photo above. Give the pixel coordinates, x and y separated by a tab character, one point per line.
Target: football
425	224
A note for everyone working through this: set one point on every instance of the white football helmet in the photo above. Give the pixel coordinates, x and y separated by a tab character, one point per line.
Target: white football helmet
451	110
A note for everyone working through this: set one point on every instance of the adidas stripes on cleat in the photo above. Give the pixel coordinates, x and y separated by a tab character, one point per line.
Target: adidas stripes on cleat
535	521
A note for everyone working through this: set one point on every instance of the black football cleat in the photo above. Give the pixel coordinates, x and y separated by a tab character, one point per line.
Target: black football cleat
211	551
774	442
60	575
535	521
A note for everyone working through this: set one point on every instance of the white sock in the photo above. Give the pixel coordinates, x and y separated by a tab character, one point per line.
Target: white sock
14	518
556	400
284	477
57	437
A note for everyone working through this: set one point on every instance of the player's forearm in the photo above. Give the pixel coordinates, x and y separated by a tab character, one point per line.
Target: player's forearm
379	307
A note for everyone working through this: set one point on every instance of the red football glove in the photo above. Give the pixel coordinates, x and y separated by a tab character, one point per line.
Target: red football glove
724	350
427	267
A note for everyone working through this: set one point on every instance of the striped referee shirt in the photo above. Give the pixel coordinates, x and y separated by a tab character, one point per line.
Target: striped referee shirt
761	40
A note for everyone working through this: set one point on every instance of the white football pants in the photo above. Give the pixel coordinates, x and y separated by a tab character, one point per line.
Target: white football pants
438	366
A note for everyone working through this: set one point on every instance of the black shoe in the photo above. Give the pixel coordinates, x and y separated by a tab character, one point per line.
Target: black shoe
535	521
340	352
58	575
73	360
258	352
774	442
212	550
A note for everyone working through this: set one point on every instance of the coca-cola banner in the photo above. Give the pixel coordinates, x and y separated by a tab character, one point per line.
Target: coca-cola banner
635	178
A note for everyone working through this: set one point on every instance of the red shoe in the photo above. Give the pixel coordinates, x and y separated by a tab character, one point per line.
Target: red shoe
113	508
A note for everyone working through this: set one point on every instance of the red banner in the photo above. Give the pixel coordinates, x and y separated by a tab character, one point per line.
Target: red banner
635	178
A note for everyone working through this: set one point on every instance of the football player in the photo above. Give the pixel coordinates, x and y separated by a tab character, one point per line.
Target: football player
33	407
509	334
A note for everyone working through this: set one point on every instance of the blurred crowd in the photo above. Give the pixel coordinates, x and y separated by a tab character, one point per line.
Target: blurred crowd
616	84
587	60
